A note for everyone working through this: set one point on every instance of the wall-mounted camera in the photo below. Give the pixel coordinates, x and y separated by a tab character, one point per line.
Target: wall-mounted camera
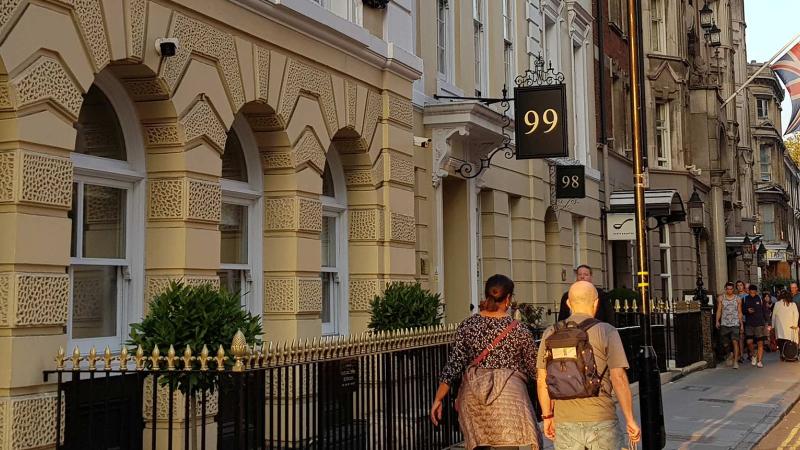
166	47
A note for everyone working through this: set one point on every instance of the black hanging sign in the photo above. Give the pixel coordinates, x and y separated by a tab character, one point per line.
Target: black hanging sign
570	182
540	119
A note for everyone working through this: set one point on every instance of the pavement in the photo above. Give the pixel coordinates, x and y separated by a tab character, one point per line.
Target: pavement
723	408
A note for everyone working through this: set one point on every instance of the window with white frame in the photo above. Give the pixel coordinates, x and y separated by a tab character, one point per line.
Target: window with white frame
442	32
333	245
107	209
508	20
658	31
662	136
765	162
768	221
551	46
508	43
478	18
351	10
580	99
762	107
240	268
665	247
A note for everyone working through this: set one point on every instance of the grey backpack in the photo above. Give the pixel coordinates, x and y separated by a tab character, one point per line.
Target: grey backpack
569	362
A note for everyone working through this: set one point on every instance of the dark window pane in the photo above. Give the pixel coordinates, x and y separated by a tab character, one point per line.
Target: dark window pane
99	132
94	301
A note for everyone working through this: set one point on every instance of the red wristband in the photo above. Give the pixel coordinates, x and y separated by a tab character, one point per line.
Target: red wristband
548	417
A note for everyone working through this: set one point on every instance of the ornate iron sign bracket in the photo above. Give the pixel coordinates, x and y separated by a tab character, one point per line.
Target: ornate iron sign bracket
538	76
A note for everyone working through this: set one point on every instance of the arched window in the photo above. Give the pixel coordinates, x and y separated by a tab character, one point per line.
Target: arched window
106	253
333	239
240	225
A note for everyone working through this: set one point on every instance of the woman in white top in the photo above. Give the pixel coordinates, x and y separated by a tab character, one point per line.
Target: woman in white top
784	319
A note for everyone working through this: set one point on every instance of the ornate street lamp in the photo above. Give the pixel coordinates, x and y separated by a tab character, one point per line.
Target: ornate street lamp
747	254
696	219
714	35
706	16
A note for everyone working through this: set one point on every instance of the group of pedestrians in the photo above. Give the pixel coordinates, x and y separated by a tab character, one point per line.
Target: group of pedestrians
577	366
744	316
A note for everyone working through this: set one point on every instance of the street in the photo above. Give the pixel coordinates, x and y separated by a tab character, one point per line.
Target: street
785	435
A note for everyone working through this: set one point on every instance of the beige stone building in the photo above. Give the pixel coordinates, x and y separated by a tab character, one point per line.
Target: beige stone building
506	220
272	152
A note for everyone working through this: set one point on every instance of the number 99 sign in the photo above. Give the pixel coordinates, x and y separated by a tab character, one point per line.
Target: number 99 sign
540	121
549	118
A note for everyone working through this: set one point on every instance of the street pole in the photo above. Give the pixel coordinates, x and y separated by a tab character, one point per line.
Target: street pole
699	294
650	406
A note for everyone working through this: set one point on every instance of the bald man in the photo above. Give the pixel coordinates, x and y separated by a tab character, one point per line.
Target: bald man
589	422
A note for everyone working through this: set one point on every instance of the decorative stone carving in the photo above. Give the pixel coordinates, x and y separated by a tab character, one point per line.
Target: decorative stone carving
279	214
310	295
276	160
3	424
90	18
371	115
47	80
46	180
266	122
349	146
202	120
263	73
162	408
400	110
279	295
309	214
404	228
202	38
205	200
5	298
41	299
312	81
5	95
145	89
366	224
136	11
7	160
401	169
156	284
359	178
361	294
31	421
162	135
7	8
352	103
166	198
308	150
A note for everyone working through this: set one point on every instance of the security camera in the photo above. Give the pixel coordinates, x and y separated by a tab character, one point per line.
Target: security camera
166	47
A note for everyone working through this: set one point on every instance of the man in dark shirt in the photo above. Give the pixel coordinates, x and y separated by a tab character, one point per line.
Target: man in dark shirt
756	328
605	310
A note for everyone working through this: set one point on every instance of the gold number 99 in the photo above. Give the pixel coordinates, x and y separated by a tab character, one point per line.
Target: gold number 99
549	117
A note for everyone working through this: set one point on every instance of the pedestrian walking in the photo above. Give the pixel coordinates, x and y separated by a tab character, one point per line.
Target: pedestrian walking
795	291
730	324
756	327
605	310
741	291
784	320
494	357
582	414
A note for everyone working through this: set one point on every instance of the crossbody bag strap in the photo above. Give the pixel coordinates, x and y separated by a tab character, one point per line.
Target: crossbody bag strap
503	334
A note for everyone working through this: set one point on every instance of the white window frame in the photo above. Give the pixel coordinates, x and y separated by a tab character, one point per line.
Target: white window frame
552	49
762	104
658	18
350	10
509	33
337	207
249	194
765	175
480	44
580	102
663	127
129	175
666	253
577	253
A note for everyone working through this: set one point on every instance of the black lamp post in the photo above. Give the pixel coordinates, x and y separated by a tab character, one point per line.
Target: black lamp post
706	16
762	260
747	255
696	219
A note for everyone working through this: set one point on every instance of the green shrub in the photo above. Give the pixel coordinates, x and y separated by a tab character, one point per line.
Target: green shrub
530	314
622	294
194	315
405	305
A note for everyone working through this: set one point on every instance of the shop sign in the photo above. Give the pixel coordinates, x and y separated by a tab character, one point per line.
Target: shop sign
621	227
540	120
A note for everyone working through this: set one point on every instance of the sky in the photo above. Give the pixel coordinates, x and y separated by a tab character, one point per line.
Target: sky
770	25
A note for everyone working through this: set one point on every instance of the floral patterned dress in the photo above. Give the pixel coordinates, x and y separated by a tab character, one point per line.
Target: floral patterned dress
517	351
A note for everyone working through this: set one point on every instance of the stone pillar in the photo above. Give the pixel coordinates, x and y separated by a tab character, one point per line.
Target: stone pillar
709	352
718	272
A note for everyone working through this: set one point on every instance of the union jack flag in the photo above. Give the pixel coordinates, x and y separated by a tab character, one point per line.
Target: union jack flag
788	69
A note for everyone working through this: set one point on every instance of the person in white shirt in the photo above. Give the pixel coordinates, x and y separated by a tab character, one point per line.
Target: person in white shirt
784	319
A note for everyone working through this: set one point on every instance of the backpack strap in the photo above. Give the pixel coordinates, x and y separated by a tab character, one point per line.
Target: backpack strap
497	340
588	323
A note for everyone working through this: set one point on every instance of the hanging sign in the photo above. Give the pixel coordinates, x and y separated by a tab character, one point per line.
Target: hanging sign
620	227
540	120
570	182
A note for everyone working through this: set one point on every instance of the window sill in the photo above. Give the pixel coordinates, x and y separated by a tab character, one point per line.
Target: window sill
443	87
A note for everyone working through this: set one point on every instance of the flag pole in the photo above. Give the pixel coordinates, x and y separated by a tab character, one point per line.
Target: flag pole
761	69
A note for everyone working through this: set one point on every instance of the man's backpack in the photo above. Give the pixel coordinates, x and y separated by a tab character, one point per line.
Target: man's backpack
569	362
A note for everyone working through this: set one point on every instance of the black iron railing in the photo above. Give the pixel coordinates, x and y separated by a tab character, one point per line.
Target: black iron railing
354	393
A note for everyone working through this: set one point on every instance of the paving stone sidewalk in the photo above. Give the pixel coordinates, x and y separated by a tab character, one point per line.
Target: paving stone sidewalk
723	408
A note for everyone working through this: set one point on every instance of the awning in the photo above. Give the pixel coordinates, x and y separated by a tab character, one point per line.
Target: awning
662	204
738	241
776	251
